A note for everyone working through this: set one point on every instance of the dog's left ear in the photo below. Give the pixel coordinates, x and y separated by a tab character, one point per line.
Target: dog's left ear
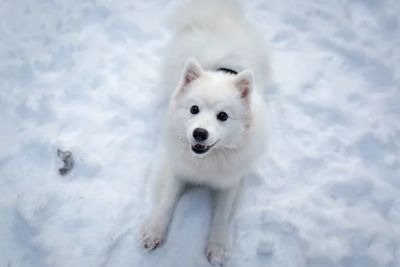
244	82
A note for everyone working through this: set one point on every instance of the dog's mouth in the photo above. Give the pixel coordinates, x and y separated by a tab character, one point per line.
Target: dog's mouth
201	149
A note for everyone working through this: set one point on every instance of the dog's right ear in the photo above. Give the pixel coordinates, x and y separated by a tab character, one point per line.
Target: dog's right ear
191	72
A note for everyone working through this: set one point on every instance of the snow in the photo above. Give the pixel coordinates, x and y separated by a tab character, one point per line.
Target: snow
83	76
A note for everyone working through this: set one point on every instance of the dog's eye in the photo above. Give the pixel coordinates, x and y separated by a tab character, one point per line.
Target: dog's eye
194	109
222	116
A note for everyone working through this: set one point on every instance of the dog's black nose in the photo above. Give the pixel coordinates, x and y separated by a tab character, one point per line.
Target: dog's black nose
200	134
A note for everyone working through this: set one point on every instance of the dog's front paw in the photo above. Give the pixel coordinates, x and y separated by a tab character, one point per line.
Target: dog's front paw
152	237
216	254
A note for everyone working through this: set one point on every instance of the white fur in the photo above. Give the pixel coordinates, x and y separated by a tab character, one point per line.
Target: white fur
209	35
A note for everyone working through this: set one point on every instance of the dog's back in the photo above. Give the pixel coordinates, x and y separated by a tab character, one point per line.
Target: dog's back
216	33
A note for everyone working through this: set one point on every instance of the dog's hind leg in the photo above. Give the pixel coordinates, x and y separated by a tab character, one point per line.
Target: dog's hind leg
224	202
155	229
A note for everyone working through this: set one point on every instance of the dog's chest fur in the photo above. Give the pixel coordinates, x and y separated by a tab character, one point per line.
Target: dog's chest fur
217	170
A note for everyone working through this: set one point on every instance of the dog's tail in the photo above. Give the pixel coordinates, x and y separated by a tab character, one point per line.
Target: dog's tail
205	14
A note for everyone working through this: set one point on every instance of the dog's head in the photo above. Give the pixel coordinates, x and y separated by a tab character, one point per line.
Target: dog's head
211	110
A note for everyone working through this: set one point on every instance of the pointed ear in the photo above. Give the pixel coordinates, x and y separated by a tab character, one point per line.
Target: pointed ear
191	71
244	83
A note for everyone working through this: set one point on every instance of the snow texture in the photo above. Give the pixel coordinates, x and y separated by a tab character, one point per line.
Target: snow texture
83	76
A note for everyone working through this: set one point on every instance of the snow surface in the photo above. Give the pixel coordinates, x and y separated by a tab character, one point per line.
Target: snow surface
83	76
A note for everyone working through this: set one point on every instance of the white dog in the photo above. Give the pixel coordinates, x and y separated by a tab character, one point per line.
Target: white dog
214	128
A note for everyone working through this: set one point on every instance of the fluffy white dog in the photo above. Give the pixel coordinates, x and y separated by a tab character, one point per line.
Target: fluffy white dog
214	70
